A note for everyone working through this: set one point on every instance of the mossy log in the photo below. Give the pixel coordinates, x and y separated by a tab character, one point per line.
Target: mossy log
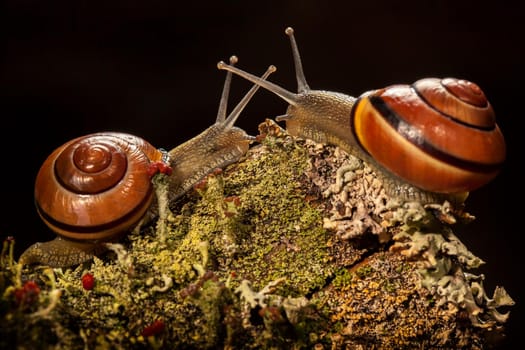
295	246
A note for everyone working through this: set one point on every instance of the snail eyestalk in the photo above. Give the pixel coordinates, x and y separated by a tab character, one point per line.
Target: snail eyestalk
302	85
223	104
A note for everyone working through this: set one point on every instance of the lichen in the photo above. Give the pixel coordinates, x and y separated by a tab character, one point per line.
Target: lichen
295	246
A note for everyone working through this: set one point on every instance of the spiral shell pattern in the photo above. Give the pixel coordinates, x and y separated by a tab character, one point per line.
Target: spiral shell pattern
97	186
437	134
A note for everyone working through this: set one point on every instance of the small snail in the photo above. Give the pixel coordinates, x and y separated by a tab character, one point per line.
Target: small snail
433	140
97	187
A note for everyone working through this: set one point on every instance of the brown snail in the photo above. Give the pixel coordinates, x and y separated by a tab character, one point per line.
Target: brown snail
97	187
433	140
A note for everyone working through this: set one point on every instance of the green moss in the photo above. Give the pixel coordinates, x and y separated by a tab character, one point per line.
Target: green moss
285	236
342	278
265	254
364	271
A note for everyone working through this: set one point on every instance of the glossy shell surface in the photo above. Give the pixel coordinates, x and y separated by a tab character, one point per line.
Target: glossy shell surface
437	134
96	186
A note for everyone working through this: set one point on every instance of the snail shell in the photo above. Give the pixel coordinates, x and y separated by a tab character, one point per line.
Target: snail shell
438	134
96	186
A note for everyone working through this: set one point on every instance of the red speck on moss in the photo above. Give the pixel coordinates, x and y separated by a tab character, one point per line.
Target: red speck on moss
88	281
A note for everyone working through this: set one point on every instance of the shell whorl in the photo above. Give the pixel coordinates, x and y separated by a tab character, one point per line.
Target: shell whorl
96	186
437	134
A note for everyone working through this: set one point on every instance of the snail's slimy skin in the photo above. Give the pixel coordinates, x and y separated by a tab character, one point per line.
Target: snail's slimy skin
60	252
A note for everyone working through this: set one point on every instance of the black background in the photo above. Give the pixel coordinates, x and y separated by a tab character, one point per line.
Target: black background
69	68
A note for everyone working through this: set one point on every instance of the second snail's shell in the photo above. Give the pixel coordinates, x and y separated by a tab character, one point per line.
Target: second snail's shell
437	134
96	186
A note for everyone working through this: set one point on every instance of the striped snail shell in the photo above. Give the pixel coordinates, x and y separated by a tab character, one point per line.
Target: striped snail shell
96	186
437	134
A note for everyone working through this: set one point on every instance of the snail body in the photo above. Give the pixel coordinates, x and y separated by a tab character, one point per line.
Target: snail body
96	188
433	140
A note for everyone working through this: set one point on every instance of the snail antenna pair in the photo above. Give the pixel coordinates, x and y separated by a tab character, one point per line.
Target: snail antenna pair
221	114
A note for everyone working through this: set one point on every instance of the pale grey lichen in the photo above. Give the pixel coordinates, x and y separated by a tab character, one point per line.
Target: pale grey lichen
256	298
161	184
360	204
442	260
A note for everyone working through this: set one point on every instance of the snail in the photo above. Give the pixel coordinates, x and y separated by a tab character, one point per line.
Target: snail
97	187
433	140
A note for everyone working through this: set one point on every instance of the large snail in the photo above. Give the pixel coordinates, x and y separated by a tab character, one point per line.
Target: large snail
433	140
97	187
